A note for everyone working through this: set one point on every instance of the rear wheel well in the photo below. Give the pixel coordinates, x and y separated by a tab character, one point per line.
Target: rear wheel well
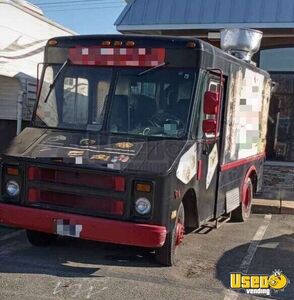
254	179
190	208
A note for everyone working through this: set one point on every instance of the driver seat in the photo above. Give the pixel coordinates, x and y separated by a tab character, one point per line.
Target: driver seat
180	109
119	113
144	109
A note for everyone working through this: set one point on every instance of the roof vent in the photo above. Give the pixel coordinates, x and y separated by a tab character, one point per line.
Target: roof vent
240	42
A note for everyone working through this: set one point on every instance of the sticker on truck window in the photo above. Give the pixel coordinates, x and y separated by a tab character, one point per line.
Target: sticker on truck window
56	138
87	142
75	153
103	157
124	145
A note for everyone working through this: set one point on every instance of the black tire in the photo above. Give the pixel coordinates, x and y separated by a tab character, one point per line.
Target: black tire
40	239
166	255
243	211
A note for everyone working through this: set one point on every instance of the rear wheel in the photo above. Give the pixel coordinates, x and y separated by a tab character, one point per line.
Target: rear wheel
40	239
242	213
166	255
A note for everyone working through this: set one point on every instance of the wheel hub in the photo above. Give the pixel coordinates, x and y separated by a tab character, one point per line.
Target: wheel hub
247	198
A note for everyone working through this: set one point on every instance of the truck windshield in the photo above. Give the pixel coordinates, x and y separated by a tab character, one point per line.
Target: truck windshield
117	100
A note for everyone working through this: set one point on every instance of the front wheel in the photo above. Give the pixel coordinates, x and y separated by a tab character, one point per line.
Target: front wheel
40	239
242	213
166	255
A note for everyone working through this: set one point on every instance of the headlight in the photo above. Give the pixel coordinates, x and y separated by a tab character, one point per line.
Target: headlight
143	206
12	188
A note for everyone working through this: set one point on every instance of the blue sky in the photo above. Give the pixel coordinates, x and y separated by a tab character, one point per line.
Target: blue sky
84	17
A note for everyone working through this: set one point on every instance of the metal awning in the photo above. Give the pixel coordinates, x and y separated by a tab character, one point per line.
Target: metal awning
144	15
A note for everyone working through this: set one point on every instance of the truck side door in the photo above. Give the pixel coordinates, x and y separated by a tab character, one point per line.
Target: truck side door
209	148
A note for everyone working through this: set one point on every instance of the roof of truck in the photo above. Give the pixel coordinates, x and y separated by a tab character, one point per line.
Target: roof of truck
141	40
168	42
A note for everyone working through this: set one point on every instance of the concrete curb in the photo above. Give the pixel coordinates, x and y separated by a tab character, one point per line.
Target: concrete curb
273	206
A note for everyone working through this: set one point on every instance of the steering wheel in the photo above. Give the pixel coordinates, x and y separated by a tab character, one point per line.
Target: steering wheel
163	118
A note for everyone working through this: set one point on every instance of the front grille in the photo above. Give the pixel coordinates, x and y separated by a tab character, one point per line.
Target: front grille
108	182
68	190
85	203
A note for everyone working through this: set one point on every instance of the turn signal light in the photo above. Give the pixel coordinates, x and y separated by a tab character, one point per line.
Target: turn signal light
12	171
117	43
106	43
52	43
191	45
143	187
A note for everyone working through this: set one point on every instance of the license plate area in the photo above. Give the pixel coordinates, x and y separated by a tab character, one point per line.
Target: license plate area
64	227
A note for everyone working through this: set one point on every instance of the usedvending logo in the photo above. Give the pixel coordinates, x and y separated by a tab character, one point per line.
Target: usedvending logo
259	284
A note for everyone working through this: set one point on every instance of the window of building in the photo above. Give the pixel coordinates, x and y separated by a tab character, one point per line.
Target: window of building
278	59
280	138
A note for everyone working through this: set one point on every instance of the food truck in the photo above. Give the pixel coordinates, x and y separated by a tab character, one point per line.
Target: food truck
135	138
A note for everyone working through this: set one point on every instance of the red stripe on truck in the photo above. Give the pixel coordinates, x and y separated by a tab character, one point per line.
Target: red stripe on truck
241	162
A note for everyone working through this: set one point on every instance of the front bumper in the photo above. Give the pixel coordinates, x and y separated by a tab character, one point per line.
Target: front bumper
96	229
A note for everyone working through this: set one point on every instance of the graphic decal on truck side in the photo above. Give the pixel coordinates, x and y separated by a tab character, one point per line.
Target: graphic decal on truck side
187	166
248	106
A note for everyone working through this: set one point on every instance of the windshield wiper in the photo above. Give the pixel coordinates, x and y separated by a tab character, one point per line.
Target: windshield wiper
152	69
52	85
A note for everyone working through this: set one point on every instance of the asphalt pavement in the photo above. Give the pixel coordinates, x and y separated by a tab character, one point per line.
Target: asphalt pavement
76	269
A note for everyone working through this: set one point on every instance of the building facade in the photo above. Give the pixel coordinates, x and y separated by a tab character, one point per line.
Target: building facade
205	19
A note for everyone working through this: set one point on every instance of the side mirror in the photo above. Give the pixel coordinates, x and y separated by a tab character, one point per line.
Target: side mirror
209	126
211	103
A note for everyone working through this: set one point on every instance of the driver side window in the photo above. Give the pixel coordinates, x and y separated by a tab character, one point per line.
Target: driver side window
133	104
156	103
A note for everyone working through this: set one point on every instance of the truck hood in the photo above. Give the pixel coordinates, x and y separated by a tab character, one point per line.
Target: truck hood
98	151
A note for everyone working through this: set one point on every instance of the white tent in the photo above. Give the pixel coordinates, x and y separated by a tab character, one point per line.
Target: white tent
24	31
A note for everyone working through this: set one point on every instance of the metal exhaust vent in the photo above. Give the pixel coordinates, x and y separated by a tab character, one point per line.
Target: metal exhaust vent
240	42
